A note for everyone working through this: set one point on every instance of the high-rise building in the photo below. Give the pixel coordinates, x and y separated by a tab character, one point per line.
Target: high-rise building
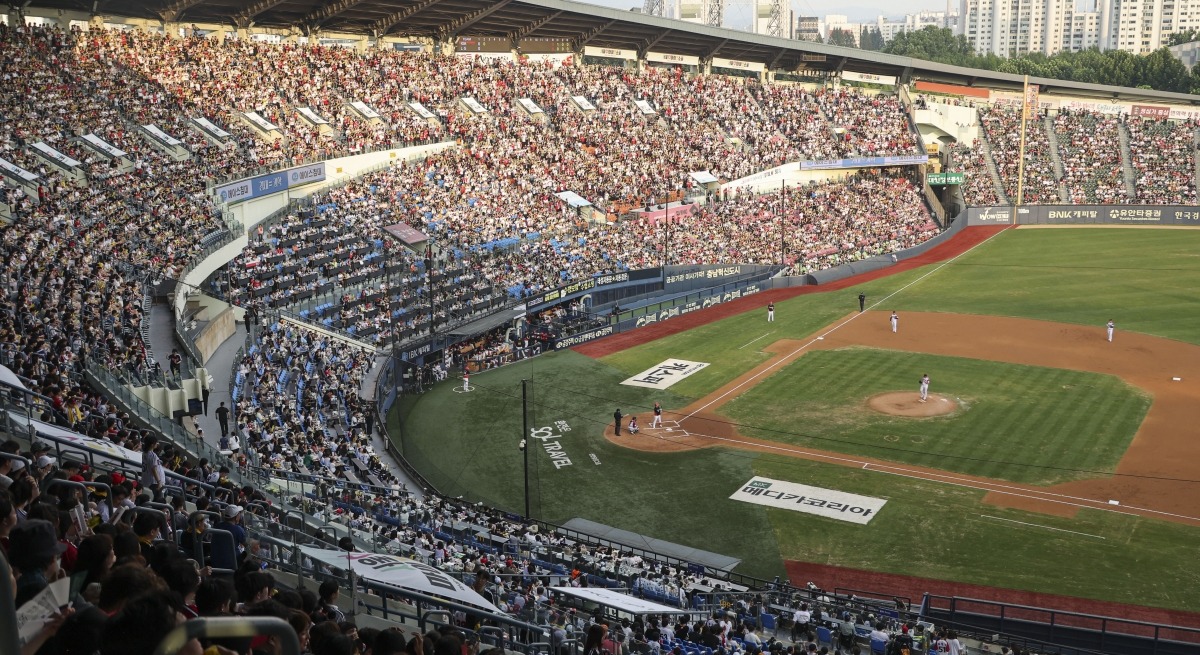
1011	28
808	28
913	22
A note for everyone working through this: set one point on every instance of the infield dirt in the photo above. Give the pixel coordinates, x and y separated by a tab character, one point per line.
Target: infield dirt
1155	478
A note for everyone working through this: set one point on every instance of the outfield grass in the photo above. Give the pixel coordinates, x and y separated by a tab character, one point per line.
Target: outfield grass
944	532
1144	279
1020	423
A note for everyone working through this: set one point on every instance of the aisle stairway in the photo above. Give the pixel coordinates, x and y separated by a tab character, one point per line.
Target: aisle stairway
986	149
1196	142
1127	161
1056	159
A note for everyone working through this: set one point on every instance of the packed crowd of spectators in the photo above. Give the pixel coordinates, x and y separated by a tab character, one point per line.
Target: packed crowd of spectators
979	187
1002	128
297	407
1164	160
1089	146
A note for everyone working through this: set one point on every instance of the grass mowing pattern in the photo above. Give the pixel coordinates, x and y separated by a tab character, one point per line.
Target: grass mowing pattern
1145	280
1018	420
941	531
467	444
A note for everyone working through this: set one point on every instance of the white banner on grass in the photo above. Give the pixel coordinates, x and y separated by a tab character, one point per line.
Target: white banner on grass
665	374
810	500
401	572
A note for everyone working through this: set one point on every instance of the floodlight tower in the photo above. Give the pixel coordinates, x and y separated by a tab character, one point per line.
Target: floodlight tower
654	8
714	13
776	17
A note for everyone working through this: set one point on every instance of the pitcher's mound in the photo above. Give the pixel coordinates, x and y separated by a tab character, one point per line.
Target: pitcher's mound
908	403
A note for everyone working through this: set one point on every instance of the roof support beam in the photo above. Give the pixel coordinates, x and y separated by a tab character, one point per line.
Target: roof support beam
171	11
385	24
774	63
456	28
653	42
246	16
533	27
715	49
316	18
841	64
593	33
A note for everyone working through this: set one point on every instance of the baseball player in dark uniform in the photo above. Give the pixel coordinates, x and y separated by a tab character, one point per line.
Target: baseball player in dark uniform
770	312
617	416
862	302
657	422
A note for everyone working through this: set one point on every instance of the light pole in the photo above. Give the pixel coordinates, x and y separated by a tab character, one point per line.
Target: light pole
524	434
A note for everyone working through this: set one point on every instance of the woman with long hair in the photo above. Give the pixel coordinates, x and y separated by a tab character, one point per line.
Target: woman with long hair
593	644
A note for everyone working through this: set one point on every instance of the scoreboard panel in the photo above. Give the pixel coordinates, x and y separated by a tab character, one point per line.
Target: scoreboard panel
482	44
545	46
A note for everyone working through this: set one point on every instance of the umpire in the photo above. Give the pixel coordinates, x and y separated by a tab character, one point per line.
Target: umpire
617	416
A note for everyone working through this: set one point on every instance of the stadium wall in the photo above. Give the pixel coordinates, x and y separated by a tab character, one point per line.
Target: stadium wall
1177	215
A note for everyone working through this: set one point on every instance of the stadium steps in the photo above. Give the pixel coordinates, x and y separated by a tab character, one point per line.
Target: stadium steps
1127	172
1056	159
1196	142
986	149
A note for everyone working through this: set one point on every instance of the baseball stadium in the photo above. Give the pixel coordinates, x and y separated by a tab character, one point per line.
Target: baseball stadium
540	327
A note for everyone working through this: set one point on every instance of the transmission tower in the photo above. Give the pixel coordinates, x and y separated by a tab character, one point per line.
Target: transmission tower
653	8
775	19
714	13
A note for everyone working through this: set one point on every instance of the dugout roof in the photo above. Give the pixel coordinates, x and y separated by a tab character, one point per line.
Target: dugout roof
584	25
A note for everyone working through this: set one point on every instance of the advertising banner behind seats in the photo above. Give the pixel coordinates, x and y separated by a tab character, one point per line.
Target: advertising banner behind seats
1085	215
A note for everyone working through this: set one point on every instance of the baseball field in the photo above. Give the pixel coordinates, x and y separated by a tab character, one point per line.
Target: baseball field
1046	459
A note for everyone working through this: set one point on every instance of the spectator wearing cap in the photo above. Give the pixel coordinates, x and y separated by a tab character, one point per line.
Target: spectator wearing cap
10	470
232	521
44	466
34	550
73	469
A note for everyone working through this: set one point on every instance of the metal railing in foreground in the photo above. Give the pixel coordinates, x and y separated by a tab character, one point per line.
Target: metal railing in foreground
235	627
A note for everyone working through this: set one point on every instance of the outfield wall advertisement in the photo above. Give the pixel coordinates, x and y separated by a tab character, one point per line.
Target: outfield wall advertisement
1085	215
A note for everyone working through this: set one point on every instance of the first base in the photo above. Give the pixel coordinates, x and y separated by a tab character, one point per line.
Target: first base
1176	379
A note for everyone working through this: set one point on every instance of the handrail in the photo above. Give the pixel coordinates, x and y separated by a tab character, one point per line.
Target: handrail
235	627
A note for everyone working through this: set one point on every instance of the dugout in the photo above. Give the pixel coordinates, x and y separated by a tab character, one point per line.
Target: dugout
611	604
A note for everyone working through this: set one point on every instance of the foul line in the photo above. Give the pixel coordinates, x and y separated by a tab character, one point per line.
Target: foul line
831	330
765	335
1039	525
931	476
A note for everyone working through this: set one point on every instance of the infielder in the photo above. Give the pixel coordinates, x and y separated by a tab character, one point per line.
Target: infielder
924	387
657	422
1110	327
895	321
770	312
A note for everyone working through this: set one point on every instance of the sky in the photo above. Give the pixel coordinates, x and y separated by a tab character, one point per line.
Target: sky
859	11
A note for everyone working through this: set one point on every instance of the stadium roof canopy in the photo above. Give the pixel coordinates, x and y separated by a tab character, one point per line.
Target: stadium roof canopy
584	25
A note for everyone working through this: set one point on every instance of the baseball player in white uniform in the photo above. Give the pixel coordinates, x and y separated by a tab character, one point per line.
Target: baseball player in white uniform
895	321
657	422
1110	327
924	387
